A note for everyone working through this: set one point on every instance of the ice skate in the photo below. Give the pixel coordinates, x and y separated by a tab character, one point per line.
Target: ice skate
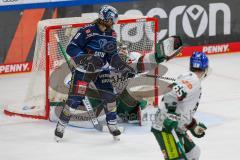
113	129
59	131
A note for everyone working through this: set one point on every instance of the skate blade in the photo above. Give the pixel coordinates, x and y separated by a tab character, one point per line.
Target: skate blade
116	138
105	129
57	139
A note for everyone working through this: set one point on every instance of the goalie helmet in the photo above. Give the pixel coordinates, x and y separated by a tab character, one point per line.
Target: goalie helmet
107	13
198	61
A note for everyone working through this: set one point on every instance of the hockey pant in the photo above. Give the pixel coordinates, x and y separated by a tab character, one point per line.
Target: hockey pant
79	87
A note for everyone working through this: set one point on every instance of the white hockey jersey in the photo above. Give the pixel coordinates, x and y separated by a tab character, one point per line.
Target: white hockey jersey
183	98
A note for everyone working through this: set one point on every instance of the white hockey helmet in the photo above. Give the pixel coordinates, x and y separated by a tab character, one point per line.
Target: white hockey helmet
107	13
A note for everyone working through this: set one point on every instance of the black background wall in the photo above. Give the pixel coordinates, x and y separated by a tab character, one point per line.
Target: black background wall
194	20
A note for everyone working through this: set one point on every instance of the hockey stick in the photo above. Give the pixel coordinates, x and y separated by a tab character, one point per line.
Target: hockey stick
92	115
159	77
86	101
145	74
64	53
179	145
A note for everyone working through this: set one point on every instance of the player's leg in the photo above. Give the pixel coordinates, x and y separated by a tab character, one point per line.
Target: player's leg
106	92
165	138
62	122
167	144
194	154
77	91
192	150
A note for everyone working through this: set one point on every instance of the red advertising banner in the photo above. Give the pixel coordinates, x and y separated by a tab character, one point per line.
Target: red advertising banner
15	68
211	49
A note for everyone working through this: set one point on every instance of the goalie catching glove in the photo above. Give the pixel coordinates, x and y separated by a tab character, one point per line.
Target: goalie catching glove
168	48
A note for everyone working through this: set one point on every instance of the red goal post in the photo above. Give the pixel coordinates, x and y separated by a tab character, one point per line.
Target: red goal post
46	86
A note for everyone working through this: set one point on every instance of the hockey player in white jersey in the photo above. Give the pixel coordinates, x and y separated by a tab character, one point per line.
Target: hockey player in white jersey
177	109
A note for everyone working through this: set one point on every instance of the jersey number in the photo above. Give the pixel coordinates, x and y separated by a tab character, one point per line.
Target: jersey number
179	90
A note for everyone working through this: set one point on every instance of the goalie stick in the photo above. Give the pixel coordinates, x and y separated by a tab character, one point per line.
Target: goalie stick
92	115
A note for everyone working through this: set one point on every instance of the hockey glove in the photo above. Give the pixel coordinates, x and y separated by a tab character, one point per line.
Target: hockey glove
128	72
170	122
199	130
168	48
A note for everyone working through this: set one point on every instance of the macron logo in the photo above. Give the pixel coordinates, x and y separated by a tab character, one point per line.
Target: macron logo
216	49
15	68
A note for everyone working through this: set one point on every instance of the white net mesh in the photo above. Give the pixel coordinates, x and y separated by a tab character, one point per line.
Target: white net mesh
47	79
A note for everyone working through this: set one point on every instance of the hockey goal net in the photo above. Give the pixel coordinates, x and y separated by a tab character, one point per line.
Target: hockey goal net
49	69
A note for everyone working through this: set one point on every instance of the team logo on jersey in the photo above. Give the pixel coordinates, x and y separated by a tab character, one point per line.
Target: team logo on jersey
107	46
99	54
102	42
110	47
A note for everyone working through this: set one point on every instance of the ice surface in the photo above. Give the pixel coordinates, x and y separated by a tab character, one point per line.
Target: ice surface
28	139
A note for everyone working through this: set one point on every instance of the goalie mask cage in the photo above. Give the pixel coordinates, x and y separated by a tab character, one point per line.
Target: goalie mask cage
46	86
